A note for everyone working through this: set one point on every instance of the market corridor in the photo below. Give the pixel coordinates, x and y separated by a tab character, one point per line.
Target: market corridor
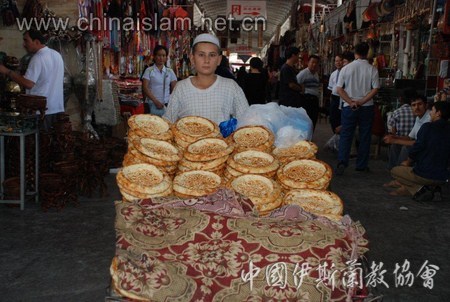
66	256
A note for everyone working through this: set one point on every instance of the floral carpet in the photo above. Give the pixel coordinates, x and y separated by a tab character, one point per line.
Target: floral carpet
215	248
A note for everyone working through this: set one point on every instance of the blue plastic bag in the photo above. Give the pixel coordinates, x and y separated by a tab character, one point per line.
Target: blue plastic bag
227	127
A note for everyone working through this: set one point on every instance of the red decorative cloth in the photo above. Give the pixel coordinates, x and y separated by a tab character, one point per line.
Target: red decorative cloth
214	248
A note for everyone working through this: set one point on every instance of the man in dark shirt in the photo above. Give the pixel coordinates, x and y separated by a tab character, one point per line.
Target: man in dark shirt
290	90
427	164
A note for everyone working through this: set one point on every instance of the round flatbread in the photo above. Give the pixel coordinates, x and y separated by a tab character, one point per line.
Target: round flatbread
301	149
129	160
203	165
192	128
253	162
232	171
140	195
138	133
149	160
129	197
158	149
316	201
143	174
148	125
207	149
124	182
253	185
305	173
196	183
264	208
251	137
303	170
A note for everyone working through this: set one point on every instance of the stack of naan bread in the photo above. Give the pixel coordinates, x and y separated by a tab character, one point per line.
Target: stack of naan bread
140	181
193	153
207	154
150	141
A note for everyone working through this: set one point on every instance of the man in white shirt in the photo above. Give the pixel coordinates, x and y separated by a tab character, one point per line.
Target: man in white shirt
44	76
361	83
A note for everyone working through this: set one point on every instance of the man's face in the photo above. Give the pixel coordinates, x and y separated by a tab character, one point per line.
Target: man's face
338	62
206	58
418	107
313	64
29	44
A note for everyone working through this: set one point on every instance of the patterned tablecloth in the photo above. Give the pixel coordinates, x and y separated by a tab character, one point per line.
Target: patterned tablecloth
214	248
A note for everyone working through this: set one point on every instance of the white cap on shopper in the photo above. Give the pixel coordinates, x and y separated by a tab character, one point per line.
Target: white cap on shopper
208	38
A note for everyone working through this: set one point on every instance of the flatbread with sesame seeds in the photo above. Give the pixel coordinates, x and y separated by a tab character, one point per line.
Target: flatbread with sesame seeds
157	149
196	183
207	149
253	162
253	138
315	201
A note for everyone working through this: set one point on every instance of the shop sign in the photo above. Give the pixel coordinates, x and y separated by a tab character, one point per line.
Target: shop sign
241	10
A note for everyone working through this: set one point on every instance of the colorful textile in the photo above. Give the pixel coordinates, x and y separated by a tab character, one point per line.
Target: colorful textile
172	251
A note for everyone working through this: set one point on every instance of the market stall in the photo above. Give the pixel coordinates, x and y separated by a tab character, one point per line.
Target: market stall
213	218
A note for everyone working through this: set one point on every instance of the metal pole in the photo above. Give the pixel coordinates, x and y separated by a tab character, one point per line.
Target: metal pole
427	59
313	11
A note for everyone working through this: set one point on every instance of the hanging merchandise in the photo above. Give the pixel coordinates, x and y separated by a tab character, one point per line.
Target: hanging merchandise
9	11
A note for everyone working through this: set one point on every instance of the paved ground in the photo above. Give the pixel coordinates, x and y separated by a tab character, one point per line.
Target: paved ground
66	256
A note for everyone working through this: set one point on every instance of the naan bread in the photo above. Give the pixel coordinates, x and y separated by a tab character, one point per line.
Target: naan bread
305	173
157	149
192	128
316	201
207	149
253	162
143	178
150	126
253	138
196	183
300	150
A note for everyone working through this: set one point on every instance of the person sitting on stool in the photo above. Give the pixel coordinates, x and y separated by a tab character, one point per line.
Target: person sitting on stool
430	155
